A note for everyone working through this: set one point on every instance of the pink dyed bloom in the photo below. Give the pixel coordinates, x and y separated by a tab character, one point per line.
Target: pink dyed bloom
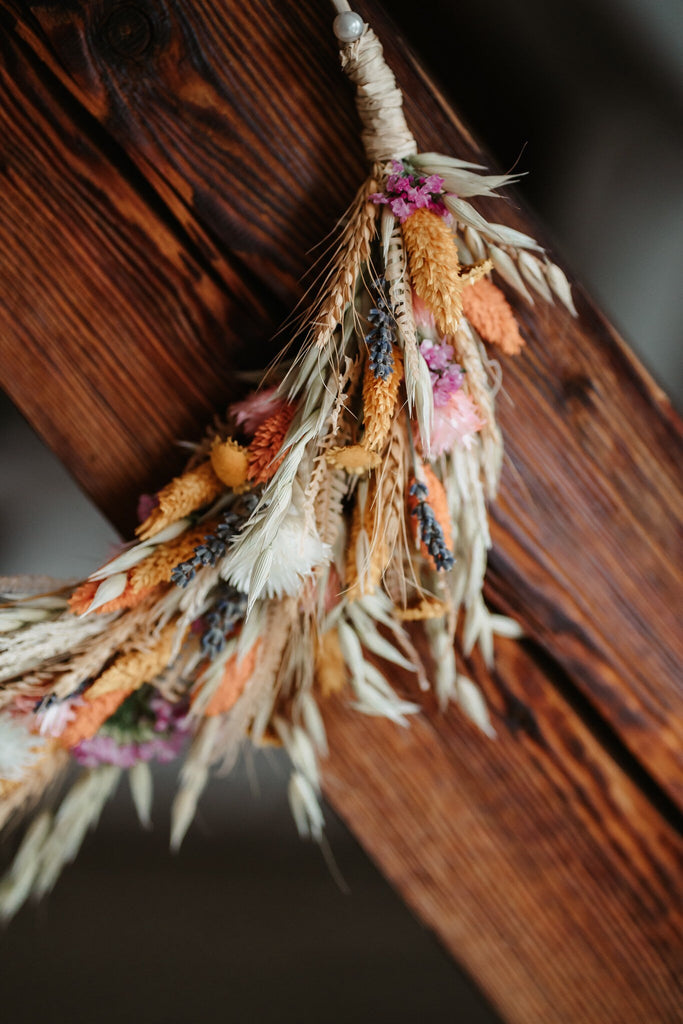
54	715
445	374
407	192
455	424
103	749
437	355
146	505
170	722
423	318
256	408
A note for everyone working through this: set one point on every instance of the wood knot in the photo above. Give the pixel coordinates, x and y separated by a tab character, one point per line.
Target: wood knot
128	31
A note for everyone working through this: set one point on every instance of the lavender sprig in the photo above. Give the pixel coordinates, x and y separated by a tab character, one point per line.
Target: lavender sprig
222	619
380	340
431	533
215	544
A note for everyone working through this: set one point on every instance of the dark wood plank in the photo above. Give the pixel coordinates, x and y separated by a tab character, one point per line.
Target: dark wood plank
116	339
539	864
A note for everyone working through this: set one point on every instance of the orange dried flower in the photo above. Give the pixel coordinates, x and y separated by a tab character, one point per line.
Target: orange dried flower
157	567
83	596
266	443
491	315
235	677
90	716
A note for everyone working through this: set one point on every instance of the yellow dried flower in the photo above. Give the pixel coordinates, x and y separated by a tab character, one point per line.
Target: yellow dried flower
428	608
435	267
156	568
230	462
183	495
379	403
130	671
354	458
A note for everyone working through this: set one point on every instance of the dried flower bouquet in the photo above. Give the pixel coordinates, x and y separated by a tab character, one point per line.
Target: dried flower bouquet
340	502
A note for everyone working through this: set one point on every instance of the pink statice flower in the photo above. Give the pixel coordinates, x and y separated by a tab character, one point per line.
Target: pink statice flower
407	191
256	408
154	729
445	374
103	749
455	423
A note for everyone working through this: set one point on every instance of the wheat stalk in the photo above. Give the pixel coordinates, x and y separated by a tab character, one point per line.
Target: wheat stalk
353	250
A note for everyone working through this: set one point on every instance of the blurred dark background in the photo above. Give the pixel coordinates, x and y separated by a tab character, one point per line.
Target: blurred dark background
247	923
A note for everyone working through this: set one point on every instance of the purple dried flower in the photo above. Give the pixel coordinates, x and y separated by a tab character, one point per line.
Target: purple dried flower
406	192
447	377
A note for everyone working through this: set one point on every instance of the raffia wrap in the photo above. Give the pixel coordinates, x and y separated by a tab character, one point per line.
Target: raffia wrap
385	134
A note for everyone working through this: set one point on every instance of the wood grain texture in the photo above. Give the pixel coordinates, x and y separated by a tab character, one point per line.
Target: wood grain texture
116	338
166	168
535	859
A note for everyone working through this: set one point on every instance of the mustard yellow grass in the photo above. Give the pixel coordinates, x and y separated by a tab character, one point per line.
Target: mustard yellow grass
184	494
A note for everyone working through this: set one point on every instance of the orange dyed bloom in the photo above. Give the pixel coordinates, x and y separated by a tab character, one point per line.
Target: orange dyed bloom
491	315
266	443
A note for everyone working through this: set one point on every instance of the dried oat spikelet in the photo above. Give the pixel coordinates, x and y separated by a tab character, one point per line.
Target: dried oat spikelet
379	403
353	250
230	462
83	596
157	567
184	494
330	667
132	670
490	314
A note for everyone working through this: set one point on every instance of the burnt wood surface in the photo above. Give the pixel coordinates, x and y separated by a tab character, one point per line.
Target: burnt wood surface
167	172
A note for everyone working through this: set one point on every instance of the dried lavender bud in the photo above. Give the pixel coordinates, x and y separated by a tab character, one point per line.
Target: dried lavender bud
215	544
430	532
222	619
380	340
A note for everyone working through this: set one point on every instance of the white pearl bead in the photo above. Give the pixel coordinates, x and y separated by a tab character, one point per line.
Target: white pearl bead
348	26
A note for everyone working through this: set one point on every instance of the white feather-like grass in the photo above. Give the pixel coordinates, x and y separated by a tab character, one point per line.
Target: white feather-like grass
42	642
19	748
305	807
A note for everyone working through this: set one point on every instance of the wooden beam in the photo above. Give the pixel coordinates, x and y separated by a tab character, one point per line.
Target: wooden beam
166	170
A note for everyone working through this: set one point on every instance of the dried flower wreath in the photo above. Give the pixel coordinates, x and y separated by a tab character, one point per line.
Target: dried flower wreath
335	505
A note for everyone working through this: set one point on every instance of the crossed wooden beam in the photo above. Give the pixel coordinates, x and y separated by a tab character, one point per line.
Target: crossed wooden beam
166	170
